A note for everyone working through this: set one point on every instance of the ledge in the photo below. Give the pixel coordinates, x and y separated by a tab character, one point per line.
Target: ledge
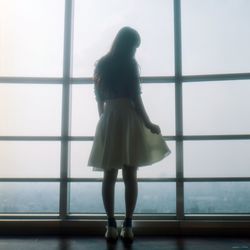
141	227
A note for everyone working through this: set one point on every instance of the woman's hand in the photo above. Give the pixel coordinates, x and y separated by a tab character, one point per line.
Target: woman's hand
140	109
154	128
100	105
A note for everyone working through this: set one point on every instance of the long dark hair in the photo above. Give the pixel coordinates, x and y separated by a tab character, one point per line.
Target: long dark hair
126	38
119	66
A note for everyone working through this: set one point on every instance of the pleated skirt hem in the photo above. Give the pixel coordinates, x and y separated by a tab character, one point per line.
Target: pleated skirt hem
120	166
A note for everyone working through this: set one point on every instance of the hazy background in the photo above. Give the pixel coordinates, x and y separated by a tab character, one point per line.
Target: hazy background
215	40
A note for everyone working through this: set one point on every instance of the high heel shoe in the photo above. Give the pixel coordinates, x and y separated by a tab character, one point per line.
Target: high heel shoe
111	233
111	230
126	233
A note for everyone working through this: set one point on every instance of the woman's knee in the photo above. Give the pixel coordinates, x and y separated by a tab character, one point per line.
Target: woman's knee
110	175
129	174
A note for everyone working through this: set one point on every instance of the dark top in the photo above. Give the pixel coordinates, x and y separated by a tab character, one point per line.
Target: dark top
116	80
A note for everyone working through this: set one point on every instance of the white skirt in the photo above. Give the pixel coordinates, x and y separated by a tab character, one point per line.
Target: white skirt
121	138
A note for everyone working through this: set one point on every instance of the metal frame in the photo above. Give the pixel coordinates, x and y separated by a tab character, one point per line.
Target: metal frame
178	112
144	79
67	62
66	82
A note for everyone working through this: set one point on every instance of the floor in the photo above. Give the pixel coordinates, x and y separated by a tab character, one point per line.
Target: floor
152	243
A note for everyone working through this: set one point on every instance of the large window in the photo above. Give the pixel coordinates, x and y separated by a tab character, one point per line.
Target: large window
194	61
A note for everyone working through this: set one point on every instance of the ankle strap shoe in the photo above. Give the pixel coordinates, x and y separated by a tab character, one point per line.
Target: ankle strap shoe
127	234
111	233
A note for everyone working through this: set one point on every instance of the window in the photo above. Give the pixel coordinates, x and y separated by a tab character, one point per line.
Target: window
218	197
215	36
31	37
29	198
216	158
30	159
30	109
151	199
195	85
156	53
216	107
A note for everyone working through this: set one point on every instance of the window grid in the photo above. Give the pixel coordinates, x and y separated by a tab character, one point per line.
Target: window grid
178	79
64	185
178	113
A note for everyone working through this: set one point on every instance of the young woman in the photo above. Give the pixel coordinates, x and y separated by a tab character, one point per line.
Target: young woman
125	138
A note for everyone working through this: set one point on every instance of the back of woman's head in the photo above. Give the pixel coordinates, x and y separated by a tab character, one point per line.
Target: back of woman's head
125	42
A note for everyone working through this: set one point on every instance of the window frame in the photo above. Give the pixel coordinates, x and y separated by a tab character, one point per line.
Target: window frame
65	139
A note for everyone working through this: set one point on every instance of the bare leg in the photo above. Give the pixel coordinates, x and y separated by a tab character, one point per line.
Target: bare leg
108	191
131	189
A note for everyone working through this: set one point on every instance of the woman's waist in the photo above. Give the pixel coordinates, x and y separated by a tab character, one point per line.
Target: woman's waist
118	102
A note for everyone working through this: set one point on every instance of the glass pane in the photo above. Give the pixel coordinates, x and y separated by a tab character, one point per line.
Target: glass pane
215	36
84	110
80	151
79	154
31	197
32	159
30	109
152	19
151	198
31	37
159	100
216	107
161	169
229	158
217	197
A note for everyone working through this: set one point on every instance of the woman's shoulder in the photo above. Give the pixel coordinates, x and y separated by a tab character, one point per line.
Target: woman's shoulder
103	61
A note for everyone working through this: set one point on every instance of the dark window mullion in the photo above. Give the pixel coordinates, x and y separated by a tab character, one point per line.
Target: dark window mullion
64	167
178	112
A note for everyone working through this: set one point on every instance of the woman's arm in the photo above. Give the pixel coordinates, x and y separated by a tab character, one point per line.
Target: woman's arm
100	105
140	109
100	102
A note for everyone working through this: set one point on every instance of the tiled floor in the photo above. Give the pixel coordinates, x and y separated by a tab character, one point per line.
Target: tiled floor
140	243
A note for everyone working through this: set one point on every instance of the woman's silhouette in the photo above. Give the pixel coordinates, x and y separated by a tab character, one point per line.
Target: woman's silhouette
125	138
